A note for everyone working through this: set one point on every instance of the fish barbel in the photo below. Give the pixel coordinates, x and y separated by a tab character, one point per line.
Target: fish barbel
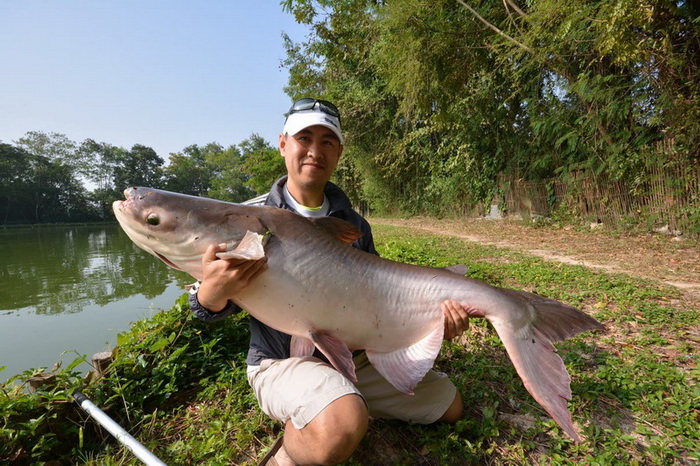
337	298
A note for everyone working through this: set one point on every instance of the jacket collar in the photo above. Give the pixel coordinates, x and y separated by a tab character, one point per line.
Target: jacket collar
338	199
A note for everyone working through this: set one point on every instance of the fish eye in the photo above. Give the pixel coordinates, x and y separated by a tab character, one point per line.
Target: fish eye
153	219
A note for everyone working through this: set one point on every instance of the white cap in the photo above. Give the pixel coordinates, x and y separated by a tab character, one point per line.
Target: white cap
298	121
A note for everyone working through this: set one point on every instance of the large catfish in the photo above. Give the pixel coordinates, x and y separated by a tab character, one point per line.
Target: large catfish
337	298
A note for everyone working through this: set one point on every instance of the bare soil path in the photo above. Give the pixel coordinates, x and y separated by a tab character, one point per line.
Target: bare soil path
672	261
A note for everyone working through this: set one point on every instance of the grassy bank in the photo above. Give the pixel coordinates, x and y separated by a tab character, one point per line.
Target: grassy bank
179	385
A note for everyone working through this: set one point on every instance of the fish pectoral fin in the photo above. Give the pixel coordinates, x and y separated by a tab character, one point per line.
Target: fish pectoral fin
250	248
339	229
405	367
301	346
337	353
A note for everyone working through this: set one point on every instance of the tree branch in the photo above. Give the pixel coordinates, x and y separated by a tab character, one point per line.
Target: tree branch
563	71
510	15
494	28
515	7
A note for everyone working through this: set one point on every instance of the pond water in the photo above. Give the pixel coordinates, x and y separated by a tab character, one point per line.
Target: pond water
68	291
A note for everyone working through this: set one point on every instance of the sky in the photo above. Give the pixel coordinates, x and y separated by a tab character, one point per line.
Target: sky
164	74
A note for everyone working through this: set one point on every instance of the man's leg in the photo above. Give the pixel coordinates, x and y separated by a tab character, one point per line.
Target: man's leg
455	412
330	438
325	416
340	427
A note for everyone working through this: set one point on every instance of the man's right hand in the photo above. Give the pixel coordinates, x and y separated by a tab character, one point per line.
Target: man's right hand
225	278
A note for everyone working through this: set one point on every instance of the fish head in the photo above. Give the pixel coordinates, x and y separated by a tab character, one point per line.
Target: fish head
178	228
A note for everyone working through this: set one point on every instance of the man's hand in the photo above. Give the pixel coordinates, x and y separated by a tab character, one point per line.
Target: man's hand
456	318
225	278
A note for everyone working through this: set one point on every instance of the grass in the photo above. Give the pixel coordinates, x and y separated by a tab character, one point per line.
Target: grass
179	385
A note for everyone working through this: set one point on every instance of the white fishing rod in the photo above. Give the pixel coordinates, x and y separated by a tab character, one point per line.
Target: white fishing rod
116	430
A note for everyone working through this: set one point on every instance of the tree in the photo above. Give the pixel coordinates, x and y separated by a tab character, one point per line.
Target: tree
54	146
100	163
188	172
438	98
140	166
228	181
53	163
262	163
14	177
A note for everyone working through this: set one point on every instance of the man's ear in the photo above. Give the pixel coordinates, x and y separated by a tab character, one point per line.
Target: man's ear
282	141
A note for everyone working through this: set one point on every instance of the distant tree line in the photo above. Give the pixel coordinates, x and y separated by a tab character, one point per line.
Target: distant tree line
439	98
43	176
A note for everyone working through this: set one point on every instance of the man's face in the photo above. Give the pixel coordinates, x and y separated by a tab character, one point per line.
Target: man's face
311	156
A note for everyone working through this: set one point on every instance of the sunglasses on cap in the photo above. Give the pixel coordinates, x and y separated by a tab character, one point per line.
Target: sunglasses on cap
309	103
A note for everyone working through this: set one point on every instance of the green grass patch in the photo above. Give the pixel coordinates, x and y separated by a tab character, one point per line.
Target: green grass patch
179	385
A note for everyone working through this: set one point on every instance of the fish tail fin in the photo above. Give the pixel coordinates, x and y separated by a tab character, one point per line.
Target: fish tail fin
558	321
529	345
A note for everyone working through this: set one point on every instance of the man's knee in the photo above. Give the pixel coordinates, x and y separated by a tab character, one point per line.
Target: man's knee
335	433
343	424
455	412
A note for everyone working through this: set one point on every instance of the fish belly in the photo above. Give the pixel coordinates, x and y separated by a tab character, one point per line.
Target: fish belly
366	307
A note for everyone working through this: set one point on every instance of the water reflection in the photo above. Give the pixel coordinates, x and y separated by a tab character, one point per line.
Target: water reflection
63	270
72	290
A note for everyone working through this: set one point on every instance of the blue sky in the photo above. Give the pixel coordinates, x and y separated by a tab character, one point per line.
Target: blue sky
165	74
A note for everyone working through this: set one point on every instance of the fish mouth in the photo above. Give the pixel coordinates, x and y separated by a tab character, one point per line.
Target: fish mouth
122	206
166	260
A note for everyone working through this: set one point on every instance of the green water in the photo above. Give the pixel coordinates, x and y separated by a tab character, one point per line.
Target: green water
72	290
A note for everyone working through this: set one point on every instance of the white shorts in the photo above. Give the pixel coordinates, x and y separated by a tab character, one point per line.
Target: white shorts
299	388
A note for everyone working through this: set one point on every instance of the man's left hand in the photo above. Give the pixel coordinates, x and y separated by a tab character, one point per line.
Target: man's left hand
456	318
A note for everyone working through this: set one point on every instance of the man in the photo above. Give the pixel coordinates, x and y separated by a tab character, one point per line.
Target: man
325	415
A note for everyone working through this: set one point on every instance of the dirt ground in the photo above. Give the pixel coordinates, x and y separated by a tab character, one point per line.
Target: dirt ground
674	261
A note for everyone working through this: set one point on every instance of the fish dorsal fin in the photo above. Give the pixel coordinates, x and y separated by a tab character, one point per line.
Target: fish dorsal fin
458	269
405	367
337	353
251	247
339	229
